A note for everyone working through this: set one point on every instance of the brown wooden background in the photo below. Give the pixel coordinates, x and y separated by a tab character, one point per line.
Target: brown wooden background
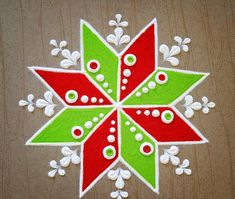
25	29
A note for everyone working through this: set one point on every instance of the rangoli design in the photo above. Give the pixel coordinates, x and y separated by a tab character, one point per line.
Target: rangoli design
119	107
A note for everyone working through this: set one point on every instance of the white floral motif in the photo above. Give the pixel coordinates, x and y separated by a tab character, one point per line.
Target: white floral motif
29	103
183	168
70	156
182	43
191	106
56	168
47	104
168	54
118	38
58	48
170	155
119	194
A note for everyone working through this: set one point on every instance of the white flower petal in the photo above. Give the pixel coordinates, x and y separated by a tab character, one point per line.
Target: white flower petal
205	110
66	63
113	174
186	41
52	173
120	183
75	56
123	24
55	51
48	96
185	48
66	151
178	40
189	112
173	60
173	150
66	53
174	160
41	103
53	42
164	50
188	171
124	194
124	39
65	161
175	50
118	32
196	106
205	100
63	44
30	108
118	17
211	104
112	39
112	23
164	159
75	158
114	194
125	174
179	171
53	164
61	172
49	110
185	163
30	98
188	100
22	103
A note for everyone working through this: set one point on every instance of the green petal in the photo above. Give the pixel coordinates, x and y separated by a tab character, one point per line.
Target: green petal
179	82
145	166
95	48
59	129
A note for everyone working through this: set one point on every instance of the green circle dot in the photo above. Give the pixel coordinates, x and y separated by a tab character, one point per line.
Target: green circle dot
168	116
130	59
71	95
109	152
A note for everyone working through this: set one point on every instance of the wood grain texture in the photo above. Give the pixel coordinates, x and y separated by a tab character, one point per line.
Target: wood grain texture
26	27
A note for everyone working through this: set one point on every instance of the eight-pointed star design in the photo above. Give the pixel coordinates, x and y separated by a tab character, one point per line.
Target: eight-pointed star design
119	107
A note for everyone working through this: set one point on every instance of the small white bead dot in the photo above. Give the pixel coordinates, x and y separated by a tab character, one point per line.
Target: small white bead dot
101	115
139	137
132	129
151	85
145	90
155	113
123	88
93	99
112	130
110	90
84	99
127	123
101	100
113	122
124	81
138	112
100	77
127	73
105	84
95	119
88	124
147	112
111	138
138	94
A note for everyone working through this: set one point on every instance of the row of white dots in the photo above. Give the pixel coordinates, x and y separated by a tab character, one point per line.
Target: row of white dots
138	136
154	113
111	138
89	124
100	78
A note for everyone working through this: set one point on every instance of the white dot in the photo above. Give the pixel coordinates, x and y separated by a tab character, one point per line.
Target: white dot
101	100
145	90
123	88
151	85
105	84
101	115
88	124
147	112
139	137
93	99
111	138
138	112
127	123
127	73
84	99
132	129
112	130
155	113
138	94
110	90
113	122
124	81
95	119
100	77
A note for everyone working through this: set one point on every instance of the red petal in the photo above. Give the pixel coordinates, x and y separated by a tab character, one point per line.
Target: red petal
94	164
144	50
61	81
177	131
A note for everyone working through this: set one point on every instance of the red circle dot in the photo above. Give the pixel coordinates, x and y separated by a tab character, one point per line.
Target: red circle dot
161	77
93	65
77	132
147	149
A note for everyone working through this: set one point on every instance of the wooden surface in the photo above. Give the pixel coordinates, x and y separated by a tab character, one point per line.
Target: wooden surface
25	29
